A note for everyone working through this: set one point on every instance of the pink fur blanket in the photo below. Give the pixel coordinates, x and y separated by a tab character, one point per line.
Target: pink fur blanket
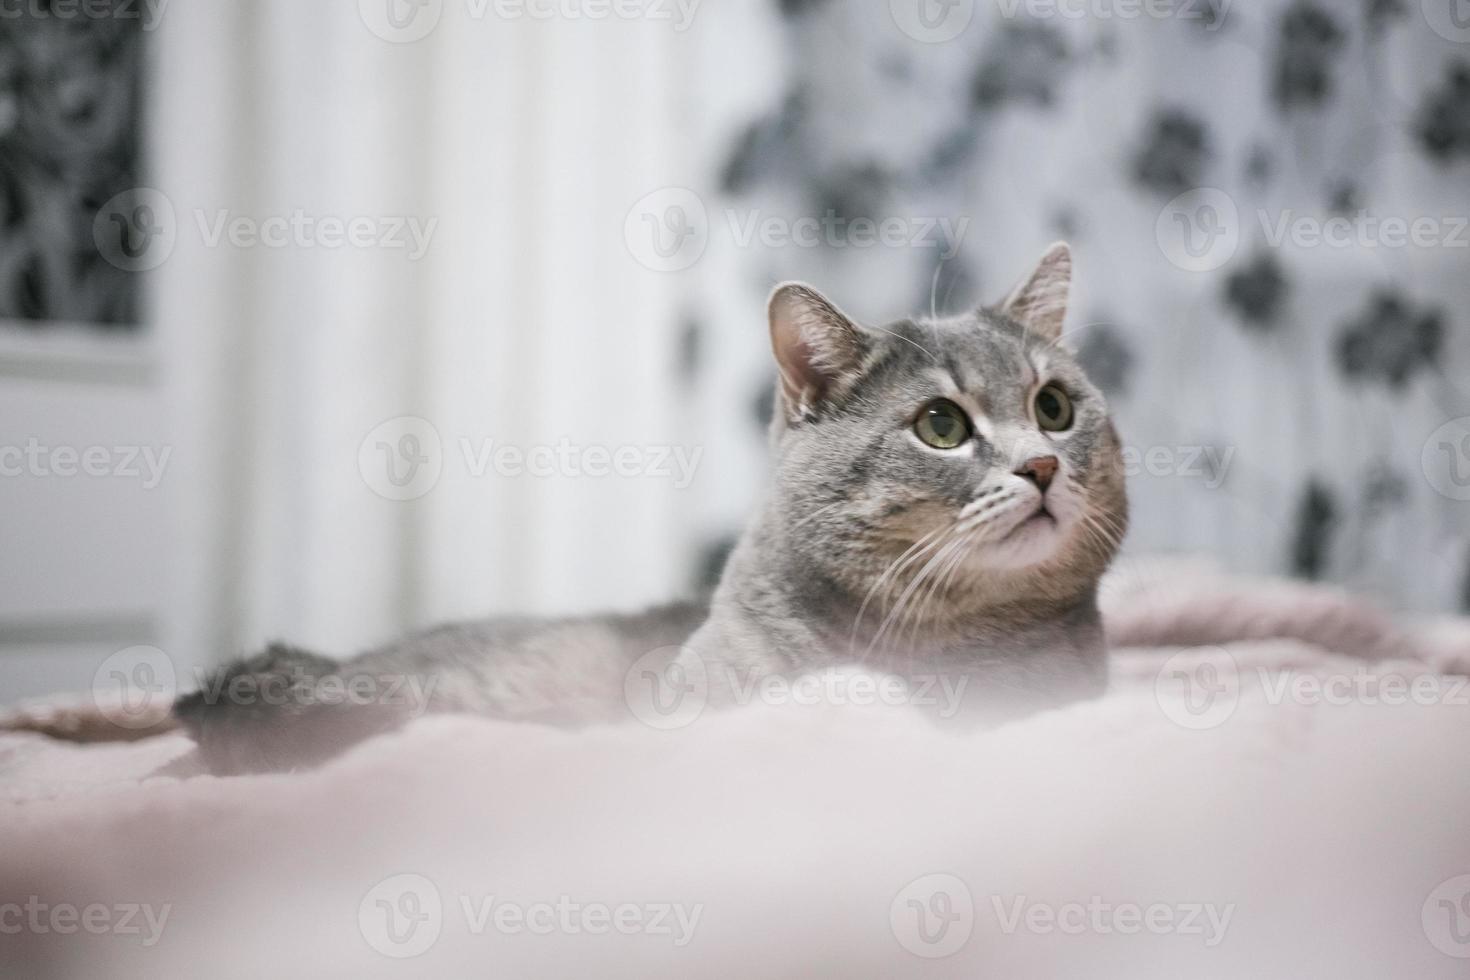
1274	787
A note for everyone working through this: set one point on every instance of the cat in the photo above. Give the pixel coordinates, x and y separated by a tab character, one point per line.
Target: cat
945	499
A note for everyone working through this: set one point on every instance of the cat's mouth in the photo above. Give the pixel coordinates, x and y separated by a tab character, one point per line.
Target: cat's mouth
1038	518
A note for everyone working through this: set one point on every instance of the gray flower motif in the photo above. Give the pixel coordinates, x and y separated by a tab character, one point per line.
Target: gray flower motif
1443	123
796	8
1316	518
1310	38
1465	585
1384	489
1390	340
766	146
1022	64
1107	358
1256	291
1381	12
1174	153
1259	165
1345	198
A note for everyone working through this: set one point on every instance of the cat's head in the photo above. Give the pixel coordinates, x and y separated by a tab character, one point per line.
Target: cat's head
970	449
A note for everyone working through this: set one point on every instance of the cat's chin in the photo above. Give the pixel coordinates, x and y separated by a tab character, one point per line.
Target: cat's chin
1034	540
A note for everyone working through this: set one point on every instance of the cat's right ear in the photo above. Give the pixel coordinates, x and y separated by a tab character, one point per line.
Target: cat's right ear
819	349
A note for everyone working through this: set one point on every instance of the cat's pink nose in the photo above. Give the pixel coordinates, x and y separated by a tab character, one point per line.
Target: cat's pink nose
1039	470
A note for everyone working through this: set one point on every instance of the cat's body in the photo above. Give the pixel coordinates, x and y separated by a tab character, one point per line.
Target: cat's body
945	499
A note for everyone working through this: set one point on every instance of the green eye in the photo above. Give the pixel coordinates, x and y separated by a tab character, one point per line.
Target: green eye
1053	409
942	424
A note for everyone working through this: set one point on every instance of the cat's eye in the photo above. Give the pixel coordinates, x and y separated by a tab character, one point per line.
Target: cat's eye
1053	409
942	424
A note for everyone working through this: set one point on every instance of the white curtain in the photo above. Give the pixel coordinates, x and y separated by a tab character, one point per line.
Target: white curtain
527	321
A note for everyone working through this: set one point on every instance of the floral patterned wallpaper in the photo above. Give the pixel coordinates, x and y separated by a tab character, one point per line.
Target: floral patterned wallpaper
1269	207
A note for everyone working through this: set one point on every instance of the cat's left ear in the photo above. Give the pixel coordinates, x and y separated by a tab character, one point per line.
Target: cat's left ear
1040	302
819	349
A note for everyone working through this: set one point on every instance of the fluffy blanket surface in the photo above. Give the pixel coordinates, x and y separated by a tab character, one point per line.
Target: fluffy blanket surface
1275	786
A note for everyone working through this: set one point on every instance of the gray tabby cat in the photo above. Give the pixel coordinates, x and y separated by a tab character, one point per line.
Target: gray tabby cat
944	502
